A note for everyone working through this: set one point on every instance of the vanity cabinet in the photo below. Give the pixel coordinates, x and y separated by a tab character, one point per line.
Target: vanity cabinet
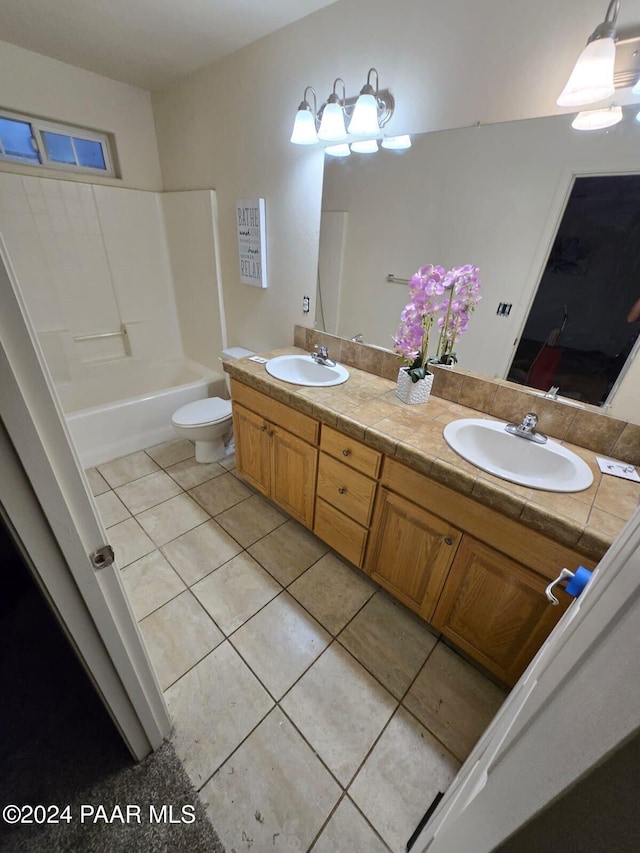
345	493
494	609
410	552
273	459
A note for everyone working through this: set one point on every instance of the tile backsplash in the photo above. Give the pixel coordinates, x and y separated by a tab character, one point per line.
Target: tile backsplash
584	426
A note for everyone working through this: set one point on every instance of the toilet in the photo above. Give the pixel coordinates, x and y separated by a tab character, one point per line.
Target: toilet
208	422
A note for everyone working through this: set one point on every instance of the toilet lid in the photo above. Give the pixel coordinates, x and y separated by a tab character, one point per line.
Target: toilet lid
207	411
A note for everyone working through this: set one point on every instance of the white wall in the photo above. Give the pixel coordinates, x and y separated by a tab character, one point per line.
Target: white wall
36	85
448	64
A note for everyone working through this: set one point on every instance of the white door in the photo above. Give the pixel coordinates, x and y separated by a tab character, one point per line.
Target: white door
42	478
577	701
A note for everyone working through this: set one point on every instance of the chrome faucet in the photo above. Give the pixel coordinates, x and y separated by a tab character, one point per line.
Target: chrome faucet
552	393
358	339
320	355
527	429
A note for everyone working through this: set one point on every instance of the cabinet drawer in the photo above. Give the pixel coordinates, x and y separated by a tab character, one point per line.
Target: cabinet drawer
352	452
347	490
341	533
301	425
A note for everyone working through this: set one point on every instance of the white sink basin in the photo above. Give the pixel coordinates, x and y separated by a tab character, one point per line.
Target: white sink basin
548	466
303	370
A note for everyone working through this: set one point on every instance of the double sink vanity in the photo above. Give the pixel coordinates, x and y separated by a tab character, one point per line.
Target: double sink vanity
375	479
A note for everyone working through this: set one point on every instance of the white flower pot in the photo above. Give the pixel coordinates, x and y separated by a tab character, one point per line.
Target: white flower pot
413	392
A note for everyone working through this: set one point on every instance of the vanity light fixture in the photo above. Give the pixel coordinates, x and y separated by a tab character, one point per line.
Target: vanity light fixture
342	150
365	146
332	127
592	77
597	119
367	116
305	130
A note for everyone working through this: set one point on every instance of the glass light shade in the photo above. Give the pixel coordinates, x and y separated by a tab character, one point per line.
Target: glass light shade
364	121
597	119
592	77
338	150
332	127
397	143
304	128
365	146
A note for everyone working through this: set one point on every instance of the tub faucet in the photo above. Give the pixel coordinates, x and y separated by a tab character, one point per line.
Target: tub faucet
527	429
358	339
552	393
320	355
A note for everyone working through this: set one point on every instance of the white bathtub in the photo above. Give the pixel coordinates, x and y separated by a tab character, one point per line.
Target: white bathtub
127	406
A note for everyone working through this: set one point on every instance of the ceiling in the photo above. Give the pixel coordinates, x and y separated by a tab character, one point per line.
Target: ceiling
147	43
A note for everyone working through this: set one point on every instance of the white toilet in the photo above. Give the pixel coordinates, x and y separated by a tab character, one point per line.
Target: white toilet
208	422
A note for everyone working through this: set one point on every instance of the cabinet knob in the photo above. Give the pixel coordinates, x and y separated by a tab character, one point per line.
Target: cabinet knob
448	540
263	428
342	490
346	452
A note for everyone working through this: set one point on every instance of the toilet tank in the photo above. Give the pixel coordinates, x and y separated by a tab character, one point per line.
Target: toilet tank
231	354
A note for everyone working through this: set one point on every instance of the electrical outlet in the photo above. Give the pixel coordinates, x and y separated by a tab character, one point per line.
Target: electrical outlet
504	309
305	304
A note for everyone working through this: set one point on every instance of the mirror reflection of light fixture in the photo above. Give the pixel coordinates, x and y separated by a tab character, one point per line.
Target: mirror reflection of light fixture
304	127
396	143
597	119
365	146
592	77
332	127
338	150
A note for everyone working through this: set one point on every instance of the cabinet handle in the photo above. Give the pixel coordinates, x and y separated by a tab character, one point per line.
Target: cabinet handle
346	452
342	490
448	540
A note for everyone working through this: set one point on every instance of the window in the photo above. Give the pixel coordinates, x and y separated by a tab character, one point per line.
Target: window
41	143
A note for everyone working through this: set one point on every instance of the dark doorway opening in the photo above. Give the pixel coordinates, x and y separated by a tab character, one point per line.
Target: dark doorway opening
585	318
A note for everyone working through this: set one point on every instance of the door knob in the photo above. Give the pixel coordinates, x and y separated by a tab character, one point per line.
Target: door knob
345	452
448	540
342	490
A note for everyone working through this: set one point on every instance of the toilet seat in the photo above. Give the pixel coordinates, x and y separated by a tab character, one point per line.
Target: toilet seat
202	413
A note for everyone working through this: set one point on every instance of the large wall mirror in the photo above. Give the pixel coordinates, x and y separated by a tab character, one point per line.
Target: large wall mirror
496	196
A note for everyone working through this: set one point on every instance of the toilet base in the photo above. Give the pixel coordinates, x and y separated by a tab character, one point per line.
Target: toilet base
210	451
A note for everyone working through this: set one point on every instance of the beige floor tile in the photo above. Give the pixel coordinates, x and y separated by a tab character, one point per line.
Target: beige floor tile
251	520
170	452
272	794
236	591
199	551
127	468
177	636
150	582
97	482
348	832
288	551
214	707
129	542
389	641
280	642
190	473
399	780
111	509
229	462
332	592
220	493
340	710
147	492
453	700
172	518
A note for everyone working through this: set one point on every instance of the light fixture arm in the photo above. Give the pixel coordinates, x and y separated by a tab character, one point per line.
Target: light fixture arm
607	29
368	89
333	97
304	103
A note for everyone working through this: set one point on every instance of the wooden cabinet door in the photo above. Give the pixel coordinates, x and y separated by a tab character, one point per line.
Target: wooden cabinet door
253	454
293	474
495	609
410	552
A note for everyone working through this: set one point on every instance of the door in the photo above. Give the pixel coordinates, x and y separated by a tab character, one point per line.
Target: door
495	609
253	448
293	474
46	484
574	705
411	551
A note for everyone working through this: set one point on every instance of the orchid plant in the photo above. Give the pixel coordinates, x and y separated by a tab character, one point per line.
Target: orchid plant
437	297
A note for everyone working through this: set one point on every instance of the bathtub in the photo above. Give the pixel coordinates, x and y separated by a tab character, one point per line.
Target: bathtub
126	406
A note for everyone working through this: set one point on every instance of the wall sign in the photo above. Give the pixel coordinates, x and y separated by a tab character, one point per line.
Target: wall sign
252	241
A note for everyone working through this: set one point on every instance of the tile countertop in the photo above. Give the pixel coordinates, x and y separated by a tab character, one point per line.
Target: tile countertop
366	408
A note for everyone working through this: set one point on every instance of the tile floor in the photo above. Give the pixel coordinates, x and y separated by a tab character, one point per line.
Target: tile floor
311	710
